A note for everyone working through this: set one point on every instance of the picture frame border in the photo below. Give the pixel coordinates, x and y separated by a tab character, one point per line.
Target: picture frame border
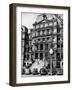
12	43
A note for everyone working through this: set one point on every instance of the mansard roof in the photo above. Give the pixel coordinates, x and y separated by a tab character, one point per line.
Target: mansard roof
48	17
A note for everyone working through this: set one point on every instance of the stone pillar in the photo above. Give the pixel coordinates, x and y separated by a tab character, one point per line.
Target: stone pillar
43	55
30	56
34	56
44	46
39	47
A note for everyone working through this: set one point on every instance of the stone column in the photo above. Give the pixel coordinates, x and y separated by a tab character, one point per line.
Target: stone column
38	55
38	52
30	56
44	46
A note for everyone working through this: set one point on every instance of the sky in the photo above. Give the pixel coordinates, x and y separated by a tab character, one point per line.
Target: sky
28	19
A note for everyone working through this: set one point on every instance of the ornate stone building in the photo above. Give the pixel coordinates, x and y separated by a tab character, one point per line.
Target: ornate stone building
46	42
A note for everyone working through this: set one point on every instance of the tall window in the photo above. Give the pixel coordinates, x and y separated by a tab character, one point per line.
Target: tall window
58	45
58	37
28	57
43	31
37	47
61	45
46	46
58	56
41	55
46	55
36	55
47	30
41	46
38	32
58	30
61	55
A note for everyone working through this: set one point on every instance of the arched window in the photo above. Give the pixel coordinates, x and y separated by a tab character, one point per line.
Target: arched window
41	55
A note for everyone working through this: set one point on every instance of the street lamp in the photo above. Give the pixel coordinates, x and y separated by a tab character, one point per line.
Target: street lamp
51	52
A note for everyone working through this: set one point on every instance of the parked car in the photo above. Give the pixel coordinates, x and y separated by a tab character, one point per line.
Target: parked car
35	71
60	71
54	71
28	71
43	71
23	71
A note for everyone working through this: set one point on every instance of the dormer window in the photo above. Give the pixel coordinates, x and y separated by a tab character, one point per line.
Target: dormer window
44	16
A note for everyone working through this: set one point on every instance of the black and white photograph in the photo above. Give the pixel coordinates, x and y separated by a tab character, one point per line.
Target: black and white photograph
40	53
41	44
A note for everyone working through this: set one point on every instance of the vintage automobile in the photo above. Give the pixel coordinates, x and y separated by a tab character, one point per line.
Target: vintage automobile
59	71
28	71
43	71
23	71
35	71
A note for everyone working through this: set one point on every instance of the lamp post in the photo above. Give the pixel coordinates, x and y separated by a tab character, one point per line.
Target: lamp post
51	52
